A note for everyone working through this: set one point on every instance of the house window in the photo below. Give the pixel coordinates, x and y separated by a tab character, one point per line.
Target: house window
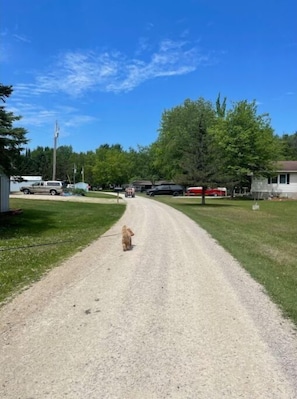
272	180
284	178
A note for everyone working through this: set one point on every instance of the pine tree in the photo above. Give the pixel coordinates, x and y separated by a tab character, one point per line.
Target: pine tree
12	138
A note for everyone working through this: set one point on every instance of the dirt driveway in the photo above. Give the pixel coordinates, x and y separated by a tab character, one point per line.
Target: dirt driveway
176	317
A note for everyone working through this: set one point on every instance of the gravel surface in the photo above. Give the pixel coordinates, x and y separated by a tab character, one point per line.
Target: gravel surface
176	317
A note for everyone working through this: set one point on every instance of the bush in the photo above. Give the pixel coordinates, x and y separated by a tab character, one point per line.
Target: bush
75	191
78	191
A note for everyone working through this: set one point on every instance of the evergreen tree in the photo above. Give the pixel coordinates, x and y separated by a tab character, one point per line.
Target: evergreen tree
12	138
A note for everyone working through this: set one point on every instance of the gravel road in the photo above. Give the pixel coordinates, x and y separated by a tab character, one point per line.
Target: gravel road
176	317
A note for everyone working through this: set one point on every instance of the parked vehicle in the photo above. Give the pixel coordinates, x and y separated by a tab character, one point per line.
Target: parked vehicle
166	189
53	187
130	192
215	192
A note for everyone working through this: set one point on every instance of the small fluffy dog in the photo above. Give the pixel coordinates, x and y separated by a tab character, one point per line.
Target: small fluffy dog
126	238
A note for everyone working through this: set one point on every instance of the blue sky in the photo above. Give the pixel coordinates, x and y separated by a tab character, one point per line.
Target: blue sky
107	69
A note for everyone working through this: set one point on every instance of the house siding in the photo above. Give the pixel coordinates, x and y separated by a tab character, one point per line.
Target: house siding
262	189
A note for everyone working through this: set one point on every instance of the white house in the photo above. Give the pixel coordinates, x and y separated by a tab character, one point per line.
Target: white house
283	184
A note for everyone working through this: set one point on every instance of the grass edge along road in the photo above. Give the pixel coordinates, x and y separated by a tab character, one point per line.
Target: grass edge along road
45	234
264	241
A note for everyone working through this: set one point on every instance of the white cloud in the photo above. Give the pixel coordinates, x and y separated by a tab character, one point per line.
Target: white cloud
78	120
35	115
143	45
22	38
76	73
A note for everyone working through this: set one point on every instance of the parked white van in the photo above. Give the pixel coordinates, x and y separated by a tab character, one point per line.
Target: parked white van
52	187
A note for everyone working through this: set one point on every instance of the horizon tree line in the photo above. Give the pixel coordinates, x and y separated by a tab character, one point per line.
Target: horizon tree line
199	143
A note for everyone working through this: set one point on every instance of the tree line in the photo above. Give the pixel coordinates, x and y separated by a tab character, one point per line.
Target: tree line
199	143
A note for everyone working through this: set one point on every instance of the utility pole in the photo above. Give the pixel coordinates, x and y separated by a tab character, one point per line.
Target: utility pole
83	174
74	173
56	135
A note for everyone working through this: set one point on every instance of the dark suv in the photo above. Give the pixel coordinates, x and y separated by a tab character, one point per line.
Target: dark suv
166	189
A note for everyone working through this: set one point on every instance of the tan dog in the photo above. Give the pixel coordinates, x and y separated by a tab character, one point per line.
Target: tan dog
126	238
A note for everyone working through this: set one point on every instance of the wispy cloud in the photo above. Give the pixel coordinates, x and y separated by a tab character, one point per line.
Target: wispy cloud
22	38
143	46
78	120
38	116
7	42
76	73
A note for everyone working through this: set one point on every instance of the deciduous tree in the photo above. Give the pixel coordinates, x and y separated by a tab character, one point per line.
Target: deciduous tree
112	166
247	141
186	148
288	143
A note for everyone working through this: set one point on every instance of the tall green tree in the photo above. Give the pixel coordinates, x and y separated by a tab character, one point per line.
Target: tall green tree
167	149
186	148
143	163
25	164
42	161
85	163
288	144
247	142
64	162
12	139
200	157
221	106
112	166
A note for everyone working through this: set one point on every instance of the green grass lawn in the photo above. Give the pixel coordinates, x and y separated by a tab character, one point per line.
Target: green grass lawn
44	234
100	194
263	241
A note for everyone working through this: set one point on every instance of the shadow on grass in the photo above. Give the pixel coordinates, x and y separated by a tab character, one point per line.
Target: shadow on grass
204	205
30	222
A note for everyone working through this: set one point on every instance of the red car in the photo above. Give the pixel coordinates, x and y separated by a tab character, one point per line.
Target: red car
215	192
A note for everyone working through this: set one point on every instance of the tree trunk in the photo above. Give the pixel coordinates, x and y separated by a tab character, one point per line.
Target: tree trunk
203	195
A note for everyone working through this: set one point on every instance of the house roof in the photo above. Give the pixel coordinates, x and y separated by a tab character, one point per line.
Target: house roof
287	166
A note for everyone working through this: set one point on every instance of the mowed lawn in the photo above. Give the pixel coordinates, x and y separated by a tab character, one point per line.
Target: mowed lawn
44	234
263	241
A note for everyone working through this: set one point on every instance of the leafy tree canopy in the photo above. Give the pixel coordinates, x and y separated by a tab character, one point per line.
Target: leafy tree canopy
186	150
247	141
199	143
288	144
